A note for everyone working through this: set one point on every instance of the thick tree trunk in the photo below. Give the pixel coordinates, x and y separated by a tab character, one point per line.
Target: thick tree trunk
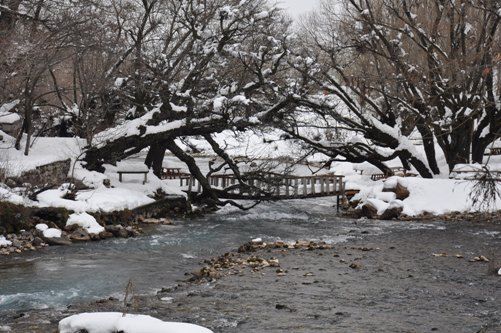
155	158
478	150
429	146
460	147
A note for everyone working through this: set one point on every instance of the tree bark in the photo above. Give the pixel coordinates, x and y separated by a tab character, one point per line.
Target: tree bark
429	146
155	158
208	193
460	147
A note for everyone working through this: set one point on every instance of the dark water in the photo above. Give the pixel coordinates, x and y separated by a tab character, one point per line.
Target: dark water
58	276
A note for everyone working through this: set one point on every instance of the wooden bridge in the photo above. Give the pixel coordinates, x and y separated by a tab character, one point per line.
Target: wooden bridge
270	186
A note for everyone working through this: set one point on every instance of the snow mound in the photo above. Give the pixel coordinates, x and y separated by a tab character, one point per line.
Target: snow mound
4	242
86	221
42	227
52	233
110	322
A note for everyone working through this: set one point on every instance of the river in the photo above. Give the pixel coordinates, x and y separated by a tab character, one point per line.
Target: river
58	276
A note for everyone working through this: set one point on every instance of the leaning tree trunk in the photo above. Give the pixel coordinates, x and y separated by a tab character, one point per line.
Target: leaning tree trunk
208	194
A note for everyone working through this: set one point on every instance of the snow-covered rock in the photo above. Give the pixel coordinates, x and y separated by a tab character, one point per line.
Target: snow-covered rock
379	205
4	242
386	196
52	233
110	322
41	227
86	221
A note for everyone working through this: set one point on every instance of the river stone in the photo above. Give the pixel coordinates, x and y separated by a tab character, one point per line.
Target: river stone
122	233
95	237
17	243
80	235
37	241
368	210
114	229
401	191
106	234
57	240
392	213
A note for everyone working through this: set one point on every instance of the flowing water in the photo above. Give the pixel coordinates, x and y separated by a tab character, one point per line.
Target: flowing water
58	276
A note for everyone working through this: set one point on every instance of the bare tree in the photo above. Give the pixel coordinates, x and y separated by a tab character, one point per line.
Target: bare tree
380	72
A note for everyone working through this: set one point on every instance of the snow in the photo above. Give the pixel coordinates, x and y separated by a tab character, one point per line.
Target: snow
41	227
43	151
432	196
386	196
52	233
9	118
380	205
7	107
132	167
4	242
109	322
86	221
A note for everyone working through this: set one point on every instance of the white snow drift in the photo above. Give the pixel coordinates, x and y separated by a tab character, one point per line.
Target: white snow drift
86	221
110	322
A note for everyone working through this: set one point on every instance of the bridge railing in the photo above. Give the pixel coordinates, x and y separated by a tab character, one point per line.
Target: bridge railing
272	185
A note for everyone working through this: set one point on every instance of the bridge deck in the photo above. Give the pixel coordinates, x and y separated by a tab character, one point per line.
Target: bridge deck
272	187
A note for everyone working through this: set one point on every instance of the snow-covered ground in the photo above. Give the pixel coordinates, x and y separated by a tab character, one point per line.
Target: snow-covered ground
426	196
106	193
43	151
110	322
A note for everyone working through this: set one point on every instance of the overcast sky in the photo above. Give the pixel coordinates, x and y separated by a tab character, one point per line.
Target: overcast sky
297	7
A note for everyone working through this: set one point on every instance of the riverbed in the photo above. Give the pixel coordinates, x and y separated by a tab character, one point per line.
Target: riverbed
37	286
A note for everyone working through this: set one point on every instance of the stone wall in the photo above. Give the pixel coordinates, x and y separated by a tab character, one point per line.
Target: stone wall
53	173
171	205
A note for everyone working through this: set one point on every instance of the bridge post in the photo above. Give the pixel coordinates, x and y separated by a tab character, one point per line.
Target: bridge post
313	183
322	186
305	186
296	187
232	183
287	193
328	185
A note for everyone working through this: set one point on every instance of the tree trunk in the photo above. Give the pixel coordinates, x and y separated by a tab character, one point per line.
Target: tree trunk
429	146
460	147
155	158
8	20
208	193
478	147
